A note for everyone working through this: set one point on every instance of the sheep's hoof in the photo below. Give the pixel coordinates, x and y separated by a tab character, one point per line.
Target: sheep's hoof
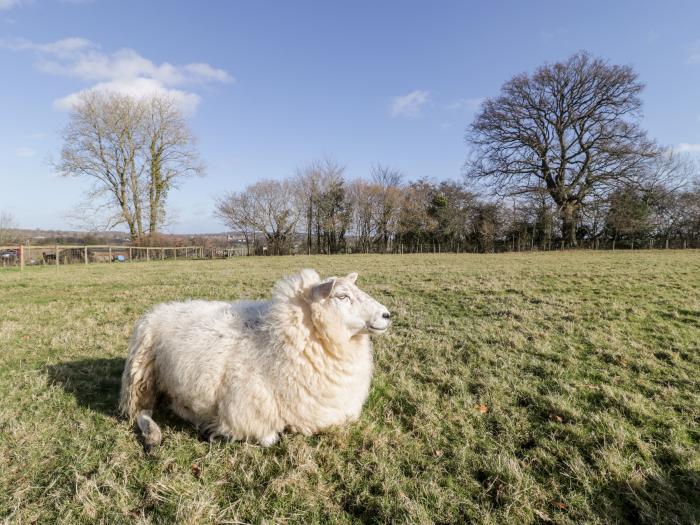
206	436
269	440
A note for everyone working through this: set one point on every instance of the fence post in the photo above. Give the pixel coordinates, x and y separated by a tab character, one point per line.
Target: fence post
148	254
85	254
175	254
110	254
21	258
162	254
56	252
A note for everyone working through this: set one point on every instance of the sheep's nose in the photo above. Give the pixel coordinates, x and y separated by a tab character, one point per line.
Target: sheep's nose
386	315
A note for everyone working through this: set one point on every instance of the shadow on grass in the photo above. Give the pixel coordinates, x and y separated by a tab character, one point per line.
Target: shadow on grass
671	497
95	384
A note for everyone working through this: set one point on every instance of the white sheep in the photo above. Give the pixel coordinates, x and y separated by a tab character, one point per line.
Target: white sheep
249	370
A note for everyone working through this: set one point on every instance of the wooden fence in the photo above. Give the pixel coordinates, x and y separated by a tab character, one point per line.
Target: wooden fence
60	254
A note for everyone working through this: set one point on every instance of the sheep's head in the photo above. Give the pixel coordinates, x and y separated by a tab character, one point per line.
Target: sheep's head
344	310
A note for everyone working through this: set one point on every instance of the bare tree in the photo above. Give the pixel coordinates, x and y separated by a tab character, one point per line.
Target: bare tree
363	196
324	204
236	211
487	224
687	203
7	227
134	150
308	183
334	208
571	126
101	142
274	213
415	223
388	181
169	153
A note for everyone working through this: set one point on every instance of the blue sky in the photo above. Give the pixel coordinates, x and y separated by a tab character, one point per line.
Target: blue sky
271	86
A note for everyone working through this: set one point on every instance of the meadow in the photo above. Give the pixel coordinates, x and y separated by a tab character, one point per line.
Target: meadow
513	388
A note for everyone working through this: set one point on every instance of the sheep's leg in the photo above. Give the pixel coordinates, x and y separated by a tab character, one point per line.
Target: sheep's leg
151	431
208	433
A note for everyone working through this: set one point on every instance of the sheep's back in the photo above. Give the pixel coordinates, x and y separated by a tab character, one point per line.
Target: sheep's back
195	342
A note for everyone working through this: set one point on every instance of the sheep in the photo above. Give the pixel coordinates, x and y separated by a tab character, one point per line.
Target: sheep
250	370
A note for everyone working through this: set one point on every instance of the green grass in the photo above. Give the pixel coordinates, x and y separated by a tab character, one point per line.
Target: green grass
559	387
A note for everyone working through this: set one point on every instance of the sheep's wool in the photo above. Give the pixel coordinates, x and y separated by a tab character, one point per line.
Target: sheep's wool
249	370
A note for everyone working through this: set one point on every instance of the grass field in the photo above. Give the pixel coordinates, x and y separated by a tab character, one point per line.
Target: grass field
560	387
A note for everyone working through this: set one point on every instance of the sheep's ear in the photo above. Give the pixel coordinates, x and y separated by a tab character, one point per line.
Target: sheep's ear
323	290
352	277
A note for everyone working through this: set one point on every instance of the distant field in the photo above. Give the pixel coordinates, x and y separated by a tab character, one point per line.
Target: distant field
558	387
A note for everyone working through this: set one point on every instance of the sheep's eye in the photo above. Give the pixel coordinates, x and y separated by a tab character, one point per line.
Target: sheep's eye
343	297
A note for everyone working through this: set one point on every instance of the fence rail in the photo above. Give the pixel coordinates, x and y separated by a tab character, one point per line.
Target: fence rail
62	254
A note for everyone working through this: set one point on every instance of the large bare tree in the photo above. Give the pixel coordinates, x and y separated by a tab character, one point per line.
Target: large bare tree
101	143
571	127
133	150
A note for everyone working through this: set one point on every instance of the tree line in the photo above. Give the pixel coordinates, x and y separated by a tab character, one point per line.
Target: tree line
557	159
320	211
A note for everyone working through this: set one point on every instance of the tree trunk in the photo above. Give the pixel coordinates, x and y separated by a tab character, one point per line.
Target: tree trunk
309	226
568	225
247	244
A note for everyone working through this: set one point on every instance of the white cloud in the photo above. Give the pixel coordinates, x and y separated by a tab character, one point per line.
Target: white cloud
205	73
8	4
124	71
467	104
65	48
135	87
25	152
409	105
694	55
684	147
